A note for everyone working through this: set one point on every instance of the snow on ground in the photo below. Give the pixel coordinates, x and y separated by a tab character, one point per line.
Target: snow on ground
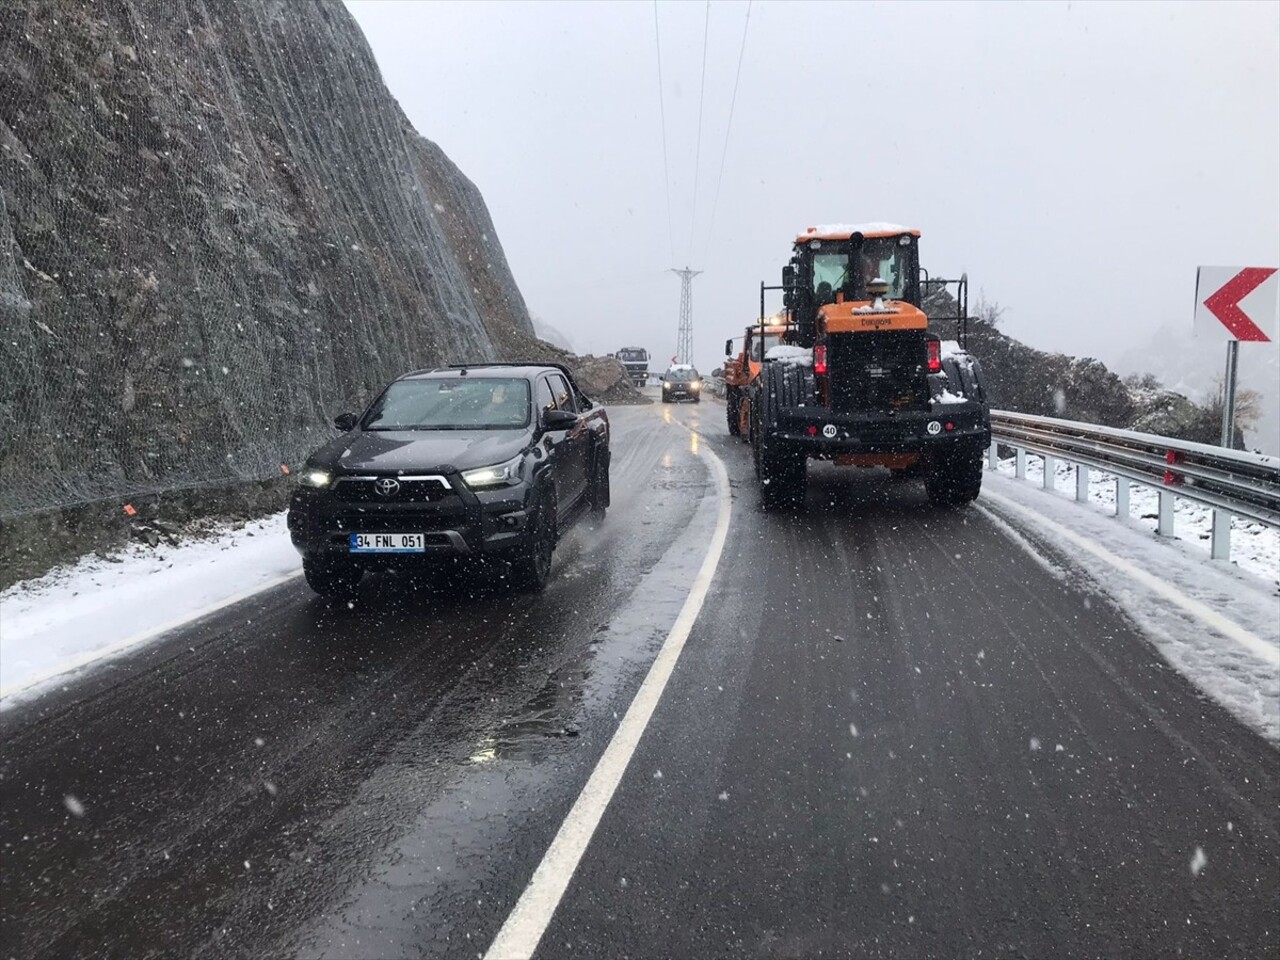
81	613
1254	546
1236	662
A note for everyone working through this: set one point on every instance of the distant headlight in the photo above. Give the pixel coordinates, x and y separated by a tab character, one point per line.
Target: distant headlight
500	474
696	385
315	478
666	386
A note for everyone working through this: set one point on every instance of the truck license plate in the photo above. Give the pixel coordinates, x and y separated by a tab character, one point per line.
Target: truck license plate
388	543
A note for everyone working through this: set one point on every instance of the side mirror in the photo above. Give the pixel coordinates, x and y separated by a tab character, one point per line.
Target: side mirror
585	402
728	348
346	422
789	276
558	419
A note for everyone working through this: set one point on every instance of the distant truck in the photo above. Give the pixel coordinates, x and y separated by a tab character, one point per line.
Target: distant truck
636	362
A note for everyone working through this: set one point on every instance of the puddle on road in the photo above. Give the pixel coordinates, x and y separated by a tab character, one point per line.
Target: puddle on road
547	715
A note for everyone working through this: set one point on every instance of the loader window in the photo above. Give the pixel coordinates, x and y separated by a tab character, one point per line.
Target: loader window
828	275
770	341
882	257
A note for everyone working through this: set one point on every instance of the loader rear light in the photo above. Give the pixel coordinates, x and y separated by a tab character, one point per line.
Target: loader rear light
935	355
813	431
820	358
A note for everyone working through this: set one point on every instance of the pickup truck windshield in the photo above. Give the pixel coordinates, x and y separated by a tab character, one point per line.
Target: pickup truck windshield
472	404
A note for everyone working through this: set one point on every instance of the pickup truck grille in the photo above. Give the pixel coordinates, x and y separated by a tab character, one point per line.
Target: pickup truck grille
392	489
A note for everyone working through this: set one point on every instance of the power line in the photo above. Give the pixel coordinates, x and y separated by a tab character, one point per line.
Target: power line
666	170
715	203
697	158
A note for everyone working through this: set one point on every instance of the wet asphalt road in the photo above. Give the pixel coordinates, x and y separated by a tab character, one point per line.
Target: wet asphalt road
891	733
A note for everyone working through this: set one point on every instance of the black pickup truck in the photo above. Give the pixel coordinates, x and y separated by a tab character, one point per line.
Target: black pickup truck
484	461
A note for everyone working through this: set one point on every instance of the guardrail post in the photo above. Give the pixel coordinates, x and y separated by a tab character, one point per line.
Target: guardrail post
993	458
1020	464
1122	497
1082	483
1050	472
1220	544
1164	523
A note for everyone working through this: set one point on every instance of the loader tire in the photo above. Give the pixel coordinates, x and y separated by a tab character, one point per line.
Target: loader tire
732	411
782	471
954	477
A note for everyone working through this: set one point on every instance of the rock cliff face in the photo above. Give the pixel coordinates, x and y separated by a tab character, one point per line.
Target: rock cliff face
217	230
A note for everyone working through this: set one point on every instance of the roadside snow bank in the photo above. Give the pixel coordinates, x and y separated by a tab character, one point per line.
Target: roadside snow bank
97	607
1255	547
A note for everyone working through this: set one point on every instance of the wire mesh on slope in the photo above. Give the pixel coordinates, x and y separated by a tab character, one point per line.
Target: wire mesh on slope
217	230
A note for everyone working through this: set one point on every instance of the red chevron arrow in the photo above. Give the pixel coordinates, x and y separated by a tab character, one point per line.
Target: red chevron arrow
1225	304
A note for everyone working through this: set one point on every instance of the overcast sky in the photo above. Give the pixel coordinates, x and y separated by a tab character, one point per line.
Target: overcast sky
1078	160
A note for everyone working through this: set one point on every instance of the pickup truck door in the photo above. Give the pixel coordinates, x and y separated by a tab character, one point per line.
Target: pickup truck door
575	457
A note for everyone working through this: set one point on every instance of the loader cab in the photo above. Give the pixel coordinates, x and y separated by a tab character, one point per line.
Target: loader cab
837	265
761	341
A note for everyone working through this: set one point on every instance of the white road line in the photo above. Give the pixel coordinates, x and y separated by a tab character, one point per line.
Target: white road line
519	936
93	656
1009	531
1268	652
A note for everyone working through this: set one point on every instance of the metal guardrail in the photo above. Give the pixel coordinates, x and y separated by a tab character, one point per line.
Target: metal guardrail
1232	482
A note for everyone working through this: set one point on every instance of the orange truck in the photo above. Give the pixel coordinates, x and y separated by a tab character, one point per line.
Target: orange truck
863	376
741	371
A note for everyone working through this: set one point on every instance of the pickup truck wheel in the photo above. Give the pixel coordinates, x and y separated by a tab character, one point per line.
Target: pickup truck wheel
954	478
531	568
333	579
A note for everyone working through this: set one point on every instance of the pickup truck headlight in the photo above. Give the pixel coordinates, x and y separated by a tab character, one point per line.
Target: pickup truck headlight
499	475
696	385
316	479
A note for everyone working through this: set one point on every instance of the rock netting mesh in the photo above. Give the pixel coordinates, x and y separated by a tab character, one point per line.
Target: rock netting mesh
217	230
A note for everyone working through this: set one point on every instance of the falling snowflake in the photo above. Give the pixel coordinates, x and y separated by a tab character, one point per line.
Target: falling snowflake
73	805
1035	744
657	774
853	729
724	794
1198	860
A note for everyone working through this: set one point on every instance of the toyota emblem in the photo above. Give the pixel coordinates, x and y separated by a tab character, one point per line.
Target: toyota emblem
386	486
